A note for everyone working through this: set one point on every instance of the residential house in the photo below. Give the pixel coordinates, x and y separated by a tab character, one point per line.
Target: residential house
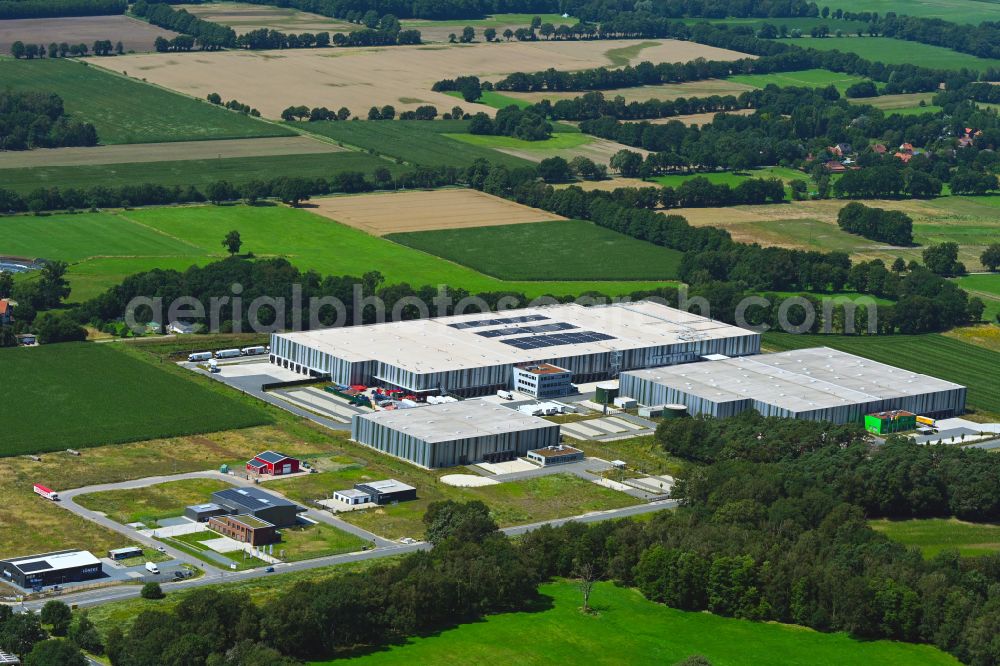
6	312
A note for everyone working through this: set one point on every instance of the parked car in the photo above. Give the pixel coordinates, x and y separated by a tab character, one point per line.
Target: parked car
269	570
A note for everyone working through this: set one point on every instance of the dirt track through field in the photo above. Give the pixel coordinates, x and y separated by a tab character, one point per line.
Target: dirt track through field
135	35
360	78
381	214
165	152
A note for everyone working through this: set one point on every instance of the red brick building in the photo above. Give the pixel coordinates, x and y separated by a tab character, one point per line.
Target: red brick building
273	463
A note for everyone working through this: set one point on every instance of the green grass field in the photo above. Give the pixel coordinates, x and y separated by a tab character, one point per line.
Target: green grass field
730	178
986	287
628	629
932	535
79	395
804	23
414	141
179	237
899	52
236	170
192	544
128	111
935	355
494	99
960	11
560	250
812	78
152	503
558	141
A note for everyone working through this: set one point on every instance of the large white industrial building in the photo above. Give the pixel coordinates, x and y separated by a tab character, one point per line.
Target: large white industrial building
815	384
456	433
475	354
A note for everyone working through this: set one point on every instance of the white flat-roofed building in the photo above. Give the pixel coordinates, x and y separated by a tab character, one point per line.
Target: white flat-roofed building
819	384
475	354
458	433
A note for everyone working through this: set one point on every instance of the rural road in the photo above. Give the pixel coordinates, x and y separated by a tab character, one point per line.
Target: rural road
214	576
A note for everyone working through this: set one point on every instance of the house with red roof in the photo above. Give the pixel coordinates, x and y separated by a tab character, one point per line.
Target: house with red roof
6	312
273	463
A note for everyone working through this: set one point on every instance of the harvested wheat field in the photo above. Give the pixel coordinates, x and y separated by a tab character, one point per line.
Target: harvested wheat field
243	18
598	150
398	212
166	152
134	35
666	91
607	185
360	78
699	119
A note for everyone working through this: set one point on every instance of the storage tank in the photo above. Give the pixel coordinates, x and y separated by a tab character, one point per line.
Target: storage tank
674	411
606	393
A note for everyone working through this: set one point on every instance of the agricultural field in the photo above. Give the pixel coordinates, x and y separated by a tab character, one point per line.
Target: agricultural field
906	103
81	395
197	172
494	99
244	17
566	142
548	251
665	91
152	503
361	78
729	178
986	287
379	214
813	78
413	141
125	110
178	237
440	31
899	52
167	152
699	119
937	355
960	11
981	335
932	535
812	225
803	23
134	35
560	633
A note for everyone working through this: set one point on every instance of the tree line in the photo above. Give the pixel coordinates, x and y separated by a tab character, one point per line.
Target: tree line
38	120
355	10
886	226
206	34
101	47
26	9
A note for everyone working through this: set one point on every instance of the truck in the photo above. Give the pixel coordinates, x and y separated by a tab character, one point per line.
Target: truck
213	366
152	568
506	395
199	356
254	351
227	353
47	493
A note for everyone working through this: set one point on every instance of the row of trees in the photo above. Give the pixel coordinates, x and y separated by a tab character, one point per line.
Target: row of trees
102	47
233	105
206	34
886	226
315	114
38	120
360	11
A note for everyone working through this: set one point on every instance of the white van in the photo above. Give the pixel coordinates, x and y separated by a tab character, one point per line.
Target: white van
152	568
199	356
506	395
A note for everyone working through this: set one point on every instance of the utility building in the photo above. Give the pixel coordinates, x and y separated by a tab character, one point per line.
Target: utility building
470	355
819	384
458	433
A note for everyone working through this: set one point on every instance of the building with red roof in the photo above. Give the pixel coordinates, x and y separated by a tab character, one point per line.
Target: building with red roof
273	463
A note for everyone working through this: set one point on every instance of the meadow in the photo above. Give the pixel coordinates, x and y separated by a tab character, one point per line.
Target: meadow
152	503
414	141
960	11
557	250
730	178
236	170
626	628
84	394
558	141
933	535
899	52
125	110
813	78
494	99
986	287
937	355
178	237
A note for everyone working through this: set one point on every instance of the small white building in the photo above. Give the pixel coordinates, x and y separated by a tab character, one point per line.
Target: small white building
542	380
559	454
352	496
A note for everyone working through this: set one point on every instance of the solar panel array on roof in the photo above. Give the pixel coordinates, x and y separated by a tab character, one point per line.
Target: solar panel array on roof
497	322
540	341
541	328
38	565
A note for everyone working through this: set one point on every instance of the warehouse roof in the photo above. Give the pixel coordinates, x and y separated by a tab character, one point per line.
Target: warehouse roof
801	380
487	339
456	420
62	559
386	486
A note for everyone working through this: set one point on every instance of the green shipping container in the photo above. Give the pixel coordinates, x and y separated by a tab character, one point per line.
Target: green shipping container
885	423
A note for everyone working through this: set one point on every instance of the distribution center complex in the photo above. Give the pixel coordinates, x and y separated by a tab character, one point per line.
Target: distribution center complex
476	354
814	384
456	433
